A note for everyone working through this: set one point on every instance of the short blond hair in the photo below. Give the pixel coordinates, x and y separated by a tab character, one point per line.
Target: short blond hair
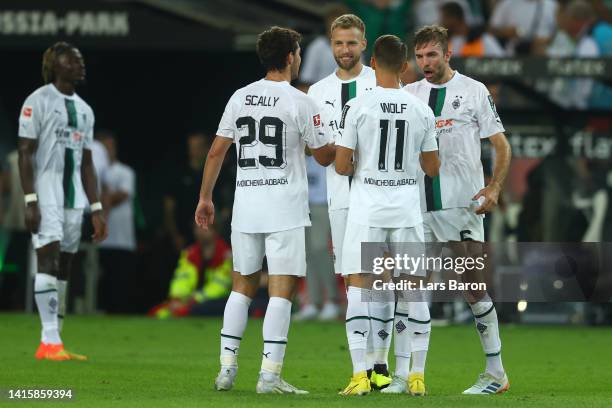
431	34
348	21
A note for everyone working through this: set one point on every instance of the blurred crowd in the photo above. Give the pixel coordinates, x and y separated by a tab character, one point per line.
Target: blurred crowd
155	261
491	28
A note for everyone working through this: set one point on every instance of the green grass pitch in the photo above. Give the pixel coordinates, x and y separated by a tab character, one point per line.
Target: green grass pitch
138	362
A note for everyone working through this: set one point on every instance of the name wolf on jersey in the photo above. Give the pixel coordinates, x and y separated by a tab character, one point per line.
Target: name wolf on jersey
262	182
390	183
256	100
393	107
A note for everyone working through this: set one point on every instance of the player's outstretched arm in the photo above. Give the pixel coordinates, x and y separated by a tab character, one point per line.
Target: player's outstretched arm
27	149
344	161
90	184
503	154
205	212
430	163
324	155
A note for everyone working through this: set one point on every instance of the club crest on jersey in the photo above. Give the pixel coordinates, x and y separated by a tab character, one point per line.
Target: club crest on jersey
27	112
317	120
457	102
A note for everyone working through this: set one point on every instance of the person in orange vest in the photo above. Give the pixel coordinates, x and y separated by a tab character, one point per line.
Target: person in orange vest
202	278
466	41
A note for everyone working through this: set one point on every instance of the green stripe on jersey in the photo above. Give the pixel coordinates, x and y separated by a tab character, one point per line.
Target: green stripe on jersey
348	92
439	102
433	193
437	196
72	113
352	89
69	162
69	190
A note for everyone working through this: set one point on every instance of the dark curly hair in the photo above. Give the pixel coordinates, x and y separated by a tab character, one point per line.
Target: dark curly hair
273	46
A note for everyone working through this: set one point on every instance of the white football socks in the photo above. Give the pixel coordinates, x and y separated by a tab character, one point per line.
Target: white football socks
487	326
45	294
419	329
275	331
62	287
357	326
402	342
381	322
370	353
235	319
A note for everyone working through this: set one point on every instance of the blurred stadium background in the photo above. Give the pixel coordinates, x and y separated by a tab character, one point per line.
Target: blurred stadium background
159	73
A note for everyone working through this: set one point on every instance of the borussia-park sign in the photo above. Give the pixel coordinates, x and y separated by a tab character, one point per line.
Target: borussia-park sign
69	23
102	24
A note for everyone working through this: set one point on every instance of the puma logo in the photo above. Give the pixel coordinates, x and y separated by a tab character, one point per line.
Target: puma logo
266	355
362	333
331	103
229	349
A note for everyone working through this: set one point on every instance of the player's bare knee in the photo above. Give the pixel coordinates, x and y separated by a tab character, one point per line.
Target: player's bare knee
48	259
283	286
48	266
474	296
65	265
246	285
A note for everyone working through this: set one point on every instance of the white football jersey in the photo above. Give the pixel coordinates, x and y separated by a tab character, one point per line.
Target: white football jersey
387	129
332	93
63	127
271	122
465	113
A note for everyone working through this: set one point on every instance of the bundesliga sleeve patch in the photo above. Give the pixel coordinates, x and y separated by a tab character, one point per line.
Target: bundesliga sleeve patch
317	120
26	112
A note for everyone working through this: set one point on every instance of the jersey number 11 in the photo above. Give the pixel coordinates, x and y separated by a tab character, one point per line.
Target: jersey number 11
400	127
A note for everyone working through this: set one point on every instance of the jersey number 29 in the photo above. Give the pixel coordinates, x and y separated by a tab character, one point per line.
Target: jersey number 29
271	133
